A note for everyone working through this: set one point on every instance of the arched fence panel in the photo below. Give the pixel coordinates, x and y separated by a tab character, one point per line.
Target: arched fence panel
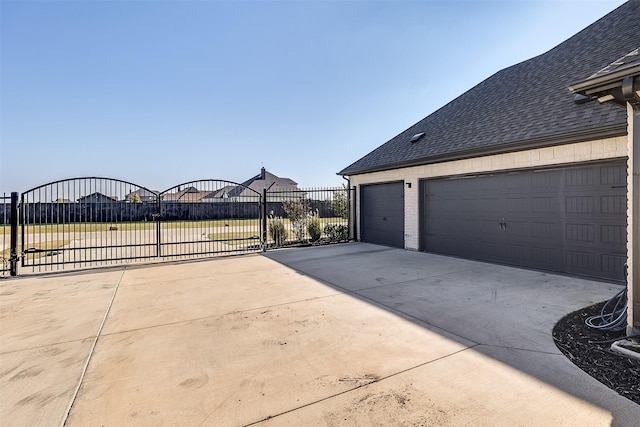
209	217
87	222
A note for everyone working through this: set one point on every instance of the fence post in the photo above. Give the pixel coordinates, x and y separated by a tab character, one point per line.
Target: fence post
13	257
158	231
264	219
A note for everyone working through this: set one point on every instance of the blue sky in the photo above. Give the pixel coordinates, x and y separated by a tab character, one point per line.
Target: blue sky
163	92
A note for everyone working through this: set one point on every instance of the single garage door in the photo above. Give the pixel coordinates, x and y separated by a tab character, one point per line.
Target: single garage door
382	214
570	220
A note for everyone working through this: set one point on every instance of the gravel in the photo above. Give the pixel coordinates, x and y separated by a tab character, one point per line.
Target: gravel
589	349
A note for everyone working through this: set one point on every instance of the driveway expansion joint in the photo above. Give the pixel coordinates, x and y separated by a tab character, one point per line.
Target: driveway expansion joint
92	350
359	386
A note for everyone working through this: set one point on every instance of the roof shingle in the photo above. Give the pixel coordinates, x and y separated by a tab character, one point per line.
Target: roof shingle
525	105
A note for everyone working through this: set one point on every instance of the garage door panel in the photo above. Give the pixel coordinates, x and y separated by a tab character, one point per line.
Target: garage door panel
570	219
545	230
454	246
613	234
613	264
493	250
382	214
546	258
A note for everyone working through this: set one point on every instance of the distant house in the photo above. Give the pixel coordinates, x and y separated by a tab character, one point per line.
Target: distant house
188	195
97	198
250	189
268	180
144	195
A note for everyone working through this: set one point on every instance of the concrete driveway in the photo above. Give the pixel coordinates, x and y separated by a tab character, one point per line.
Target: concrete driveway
352	334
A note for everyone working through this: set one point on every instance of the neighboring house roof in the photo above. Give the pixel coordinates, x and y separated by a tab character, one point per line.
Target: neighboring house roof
250	188
222	193
190	194
97	198
524	106
143	193
265	180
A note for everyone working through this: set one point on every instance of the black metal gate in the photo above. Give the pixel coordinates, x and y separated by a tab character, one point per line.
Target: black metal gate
87	222
209	217
91	222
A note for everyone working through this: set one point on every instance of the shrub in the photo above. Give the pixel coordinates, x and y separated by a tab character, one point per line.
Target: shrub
315	229
337	232
297	212
340	202
278	231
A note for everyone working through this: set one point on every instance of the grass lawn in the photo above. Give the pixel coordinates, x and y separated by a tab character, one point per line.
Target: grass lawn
85	227
46	247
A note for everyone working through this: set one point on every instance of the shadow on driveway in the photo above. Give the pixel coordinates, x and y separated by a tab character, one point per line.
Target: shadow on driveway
508	313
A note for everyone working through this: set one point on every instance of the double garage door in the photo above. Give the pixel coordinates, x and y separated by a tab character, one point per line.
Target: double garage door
569	220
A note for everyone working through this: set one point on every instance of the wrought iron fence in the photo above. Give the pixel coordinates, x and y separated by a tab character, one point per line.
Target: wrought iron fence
209	217
6	235
309	216
92	221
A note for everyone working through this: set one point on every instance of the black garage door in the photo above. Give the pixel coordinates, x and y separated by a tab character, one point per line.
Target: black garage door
382	214
570	220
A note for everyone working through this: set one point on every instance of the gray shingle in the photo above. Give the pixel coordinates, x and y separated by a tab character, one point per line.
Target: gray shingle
525	105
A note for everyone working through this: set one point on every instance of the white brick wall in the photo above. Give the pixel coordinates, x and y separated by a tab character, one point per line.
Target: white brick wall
610	148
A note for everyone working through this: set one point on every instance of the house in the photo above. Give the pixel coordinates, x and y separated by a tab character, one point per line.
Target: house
188	195
619	83
269	181
142	194
97	198
251	189
518	170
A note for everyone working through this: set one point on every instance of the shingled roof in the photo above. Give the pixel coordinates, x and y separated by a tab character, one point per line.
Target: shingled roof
524	106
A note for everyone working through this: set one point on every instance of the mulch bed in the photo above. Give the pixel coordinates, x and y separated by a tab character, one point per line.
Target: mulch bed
589	349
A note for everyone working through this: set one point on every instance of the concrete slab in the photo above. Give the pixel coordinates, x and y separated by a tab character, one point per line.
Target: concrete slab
349	334
47	327
466	390
41	311
508	312
37	385
242	367
178	293
482	302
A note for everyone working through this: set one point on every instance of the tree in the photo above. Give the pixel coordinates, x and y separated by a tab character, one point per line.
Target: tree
134	198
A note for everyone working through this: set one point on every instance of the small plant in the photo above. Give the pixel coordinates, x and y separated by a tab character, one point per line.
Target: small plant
337	232
278	231
314	228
